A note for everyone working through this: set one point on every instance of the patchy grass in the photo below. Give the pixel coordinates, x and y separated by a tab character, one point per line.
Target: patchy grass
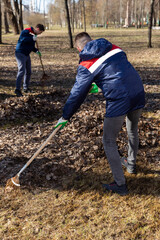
61	195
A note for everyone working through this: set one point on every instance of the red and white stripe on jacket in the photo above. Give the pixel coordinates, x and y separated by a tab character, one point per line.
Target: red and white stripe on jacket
30	30
94	63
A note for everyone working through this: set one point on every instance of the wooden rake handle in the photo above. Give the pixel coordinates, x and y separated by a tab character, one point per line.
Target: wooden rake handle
40	57
38	151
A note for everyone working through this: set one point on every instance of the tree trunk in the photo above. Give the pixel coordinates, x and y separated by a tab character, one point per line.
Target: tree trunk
68	23
44	12
150	24
136	25
20	16
80	15
132	12
12	17
120	13
128	14
159	13
6	25
154	18
142	13
18	13
107	13
16	7
84	16
0	23
73	15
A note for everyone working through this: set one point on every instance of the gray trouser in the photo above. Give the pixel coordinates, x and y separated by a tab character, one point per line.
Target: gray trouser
24	70
111	128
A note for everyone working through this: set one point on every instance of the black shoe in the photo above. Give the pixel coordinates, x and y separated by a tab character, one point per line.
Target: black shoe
18	93
27	90
131	168
113	187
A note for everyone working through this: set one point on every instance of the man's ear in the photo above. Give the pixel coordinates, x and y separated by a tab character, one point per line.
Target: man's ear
79	49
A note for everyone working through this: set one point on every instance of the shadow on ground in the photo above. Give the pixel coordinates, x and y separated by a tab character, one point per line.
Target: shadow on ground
44	174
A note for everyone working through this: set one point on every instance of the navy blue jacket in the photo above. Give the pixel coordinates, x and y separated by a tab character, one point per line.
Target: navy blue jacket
26	44
106	65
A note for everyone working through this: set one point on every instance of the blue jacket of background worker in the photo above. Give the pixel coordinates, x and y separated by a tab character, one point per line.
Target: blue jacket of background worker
106	65
26	44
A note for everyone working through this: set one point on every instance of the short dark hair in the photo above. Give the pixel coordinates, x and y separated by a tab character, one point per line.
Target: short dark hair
82	34
82	39
41	27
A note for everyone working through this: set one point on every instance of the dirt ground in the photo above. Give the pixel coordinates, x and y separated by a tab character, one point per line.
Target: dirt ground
60	195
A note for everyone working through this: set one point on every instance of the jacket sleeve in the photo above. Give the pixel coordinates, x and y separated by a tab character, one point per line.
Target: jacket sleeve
35	49
78	93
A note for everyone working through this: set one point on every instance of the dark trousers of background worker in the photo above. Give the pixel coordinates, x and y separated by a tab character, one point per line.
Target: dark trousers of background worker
24	70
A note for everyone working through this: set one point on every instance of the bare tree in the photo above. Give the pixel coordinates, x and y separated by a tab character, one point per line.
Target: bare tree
84	16
5	19
71	6
20	16
120	13
74	9
12	17
68	23
128	14
0	22
79	14
73	14
18	12
150	24
158	12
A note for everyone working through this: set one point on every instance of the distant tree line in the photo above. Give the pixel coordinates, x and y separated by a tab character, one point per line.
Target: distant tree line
86	13
98	13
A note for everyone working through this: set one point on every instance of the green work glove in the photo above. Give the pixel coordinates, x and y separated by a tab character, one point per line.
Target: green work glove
61	122
94	88
39	53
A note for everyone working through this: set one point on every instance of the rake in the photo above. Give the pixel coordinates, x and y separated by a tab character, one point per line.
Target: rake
44	76
14	181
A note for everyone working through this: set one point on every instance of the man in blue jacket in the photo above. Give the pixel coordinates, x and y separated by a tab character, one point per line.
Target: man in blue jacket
107	65
25	45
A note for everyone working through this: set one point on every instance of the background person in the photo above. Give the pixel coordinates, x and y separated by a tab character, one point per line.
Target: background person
25	45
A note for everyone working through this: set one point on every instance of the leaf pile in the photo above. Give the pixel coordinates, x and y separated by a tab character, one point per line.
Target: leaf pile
76	148
31	108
